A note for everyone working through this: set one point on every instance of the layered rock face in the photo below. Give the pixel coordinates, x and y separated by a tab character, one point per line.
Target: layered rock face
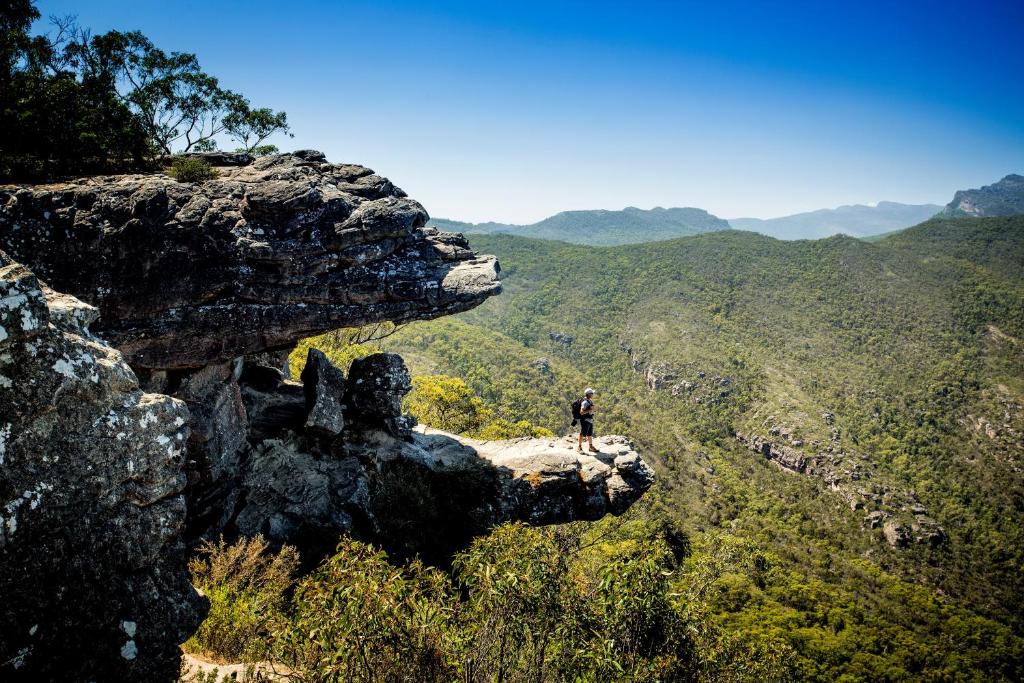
898	512
187	275
92	564
111	465
414	491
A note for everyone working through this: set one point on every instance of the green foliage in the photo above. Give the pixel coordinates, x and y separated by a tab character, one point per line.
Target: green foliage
359	618
518	606
913	344
448	404
191	170
245	585
72	102
341	346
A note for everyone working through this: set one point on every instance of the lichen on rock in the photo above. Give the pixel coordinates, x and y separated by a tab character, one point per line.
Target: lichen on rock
191	274
91	505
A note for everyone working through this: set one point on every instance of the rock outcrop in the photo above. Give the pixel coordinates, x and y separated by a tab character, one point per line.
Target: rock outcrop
187	275
415	491
898	512
1004	198
92	565
115	458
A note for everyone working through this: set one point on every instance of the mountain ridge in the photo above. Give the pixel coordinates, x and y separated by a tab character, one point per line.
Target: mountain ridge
1002	198
632	225
602	227
856	220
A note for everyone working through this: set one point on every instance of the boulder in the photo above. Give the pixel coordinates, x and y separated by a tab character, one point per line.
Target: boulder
193	274
92	567
376	386
324	390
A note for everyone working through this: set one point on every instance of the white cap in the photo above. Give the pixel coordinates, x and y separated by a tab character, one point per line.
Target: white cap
588	392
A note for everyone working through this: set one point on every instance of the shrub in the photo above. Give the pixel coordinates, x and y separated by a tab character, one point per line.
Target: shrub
246	586
191	170
360	618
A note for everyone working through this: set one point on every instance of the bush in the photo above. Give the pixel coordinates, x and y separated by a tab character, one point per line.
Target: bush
520	605
191	170
360	618
246	586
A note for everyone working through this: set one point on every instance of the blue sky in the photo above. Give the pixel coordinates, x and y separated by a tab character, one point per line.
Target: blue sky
513	111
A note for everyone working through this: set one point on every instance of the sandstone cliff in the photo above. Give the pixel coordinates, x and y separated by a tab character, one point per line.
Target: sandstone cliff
201	290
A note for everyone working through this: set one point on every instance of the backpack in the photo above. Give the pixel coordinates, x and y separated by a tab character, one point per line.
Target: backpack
577	405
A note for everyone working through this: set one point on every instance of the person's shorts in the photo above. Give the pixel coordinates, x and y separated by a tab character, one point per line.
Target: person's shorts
586	427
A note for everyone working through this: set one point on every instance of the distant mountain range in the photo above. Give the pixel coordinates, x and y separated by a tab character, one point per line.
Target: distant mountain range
1005	198
857	220
634	226
603	228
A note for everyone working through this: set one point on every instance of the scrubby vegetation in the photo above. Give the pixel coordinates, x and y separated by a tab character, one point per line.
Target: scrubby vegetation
906	352
616	600
191	170
246	586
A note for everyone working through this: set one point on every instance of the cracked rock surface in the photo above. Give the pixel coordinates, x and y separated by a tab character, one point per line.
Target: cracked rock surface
92	567
288	246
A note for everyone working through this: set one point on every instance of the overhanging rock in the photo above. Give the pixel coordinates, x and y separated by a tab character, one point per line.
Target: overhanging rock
190	274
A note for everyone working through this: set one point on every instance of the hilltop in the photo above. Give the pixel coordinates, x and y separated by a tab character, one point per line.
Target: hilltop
1004	198
603	228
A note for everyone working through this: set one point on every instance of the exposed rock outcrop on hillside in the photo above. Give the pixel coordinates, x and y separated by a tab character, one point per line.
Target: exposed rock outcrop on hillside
92	565
897	512
1004	198
111	465
190	274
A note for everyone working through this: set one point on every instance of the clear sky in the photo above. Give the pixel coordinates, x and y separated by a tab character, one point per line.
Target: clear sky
516	110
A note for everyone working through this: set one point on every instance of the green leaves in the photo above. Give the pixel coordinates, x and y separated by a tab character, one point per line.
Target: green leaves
79	103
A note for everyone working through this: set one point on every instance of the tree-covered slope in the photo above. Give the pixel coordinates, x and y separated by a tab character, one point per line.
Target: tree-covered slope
601	227
887	379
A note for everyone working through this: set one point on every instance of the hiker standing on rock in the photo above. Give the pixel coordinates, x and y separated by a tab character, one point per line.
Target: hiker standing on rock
583	410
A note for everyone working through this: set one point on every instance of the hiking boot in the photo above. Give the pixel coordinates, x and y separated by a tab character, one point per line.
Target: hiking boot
579	448
594	450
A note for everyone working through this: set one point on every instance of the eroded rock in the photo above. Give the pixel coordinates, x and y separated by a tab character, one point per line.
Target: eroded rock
324	390
194	274
92	568
421	491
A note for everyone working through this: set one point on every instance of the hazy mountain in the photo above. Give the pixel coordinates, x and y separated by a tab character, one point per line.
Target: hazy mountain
1005	198
857	220
602	228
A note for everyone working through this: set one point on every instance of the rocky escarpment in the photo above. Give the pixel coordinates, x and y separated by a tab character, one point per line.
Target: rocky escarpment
191	274
92	564
1004	198
364	471
897	512
111	465
190	278
687	381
